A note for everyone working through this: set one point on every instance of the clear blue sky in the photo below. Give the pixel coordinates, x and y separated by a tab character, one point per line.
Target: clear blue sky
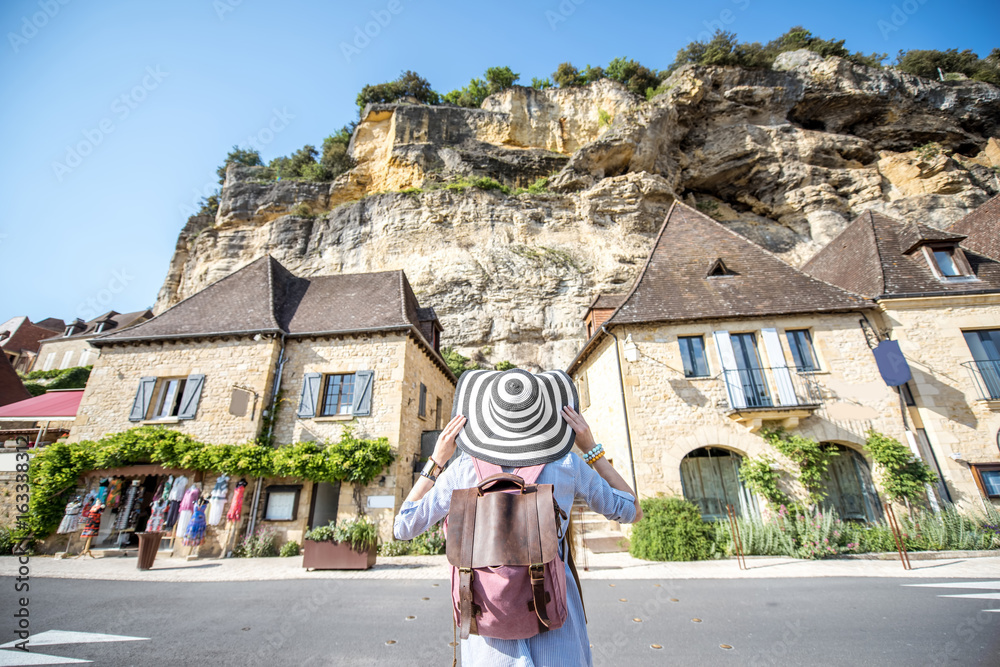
159	91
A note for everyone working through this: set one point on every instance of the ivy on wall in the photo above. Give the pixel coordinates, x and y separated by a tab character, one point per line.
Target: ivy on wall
55	471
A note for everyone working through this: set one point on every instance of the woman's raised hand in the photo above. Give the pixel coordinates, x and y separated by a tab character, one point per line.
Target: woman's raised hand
584	438
444	448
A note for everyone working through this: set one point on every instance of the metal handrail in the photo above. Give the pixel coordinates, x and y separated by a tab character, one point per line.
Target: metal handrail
765	387
985	375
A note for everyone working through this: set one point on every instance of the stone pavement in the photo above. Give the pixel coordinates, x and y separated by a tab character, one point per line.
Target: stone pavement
967	565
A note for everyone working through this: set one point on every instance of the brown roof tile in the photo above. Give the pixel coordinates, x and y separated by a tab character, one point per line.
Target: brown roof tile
265	297
982	229
870	258
674	285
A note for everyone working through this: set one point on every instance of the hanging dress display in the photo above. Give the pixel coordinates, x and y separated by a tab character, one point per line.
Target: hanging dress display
195	533
114	493
93	524
174	499
187	509
217	500
125	511
71	518
102	490
237	505
158	516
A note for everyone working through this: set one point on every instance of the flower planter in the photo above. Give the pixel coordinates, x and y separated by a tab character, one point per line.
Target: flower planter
335	556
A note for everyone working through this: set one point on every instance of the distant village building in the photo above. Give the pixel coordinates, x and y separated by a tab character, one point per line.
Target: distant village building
340	350
938	294
72	347
717	339
20	338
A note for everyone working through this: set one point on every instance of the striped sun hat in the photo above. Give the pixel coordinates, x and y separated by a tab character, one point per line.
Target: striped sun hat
515	417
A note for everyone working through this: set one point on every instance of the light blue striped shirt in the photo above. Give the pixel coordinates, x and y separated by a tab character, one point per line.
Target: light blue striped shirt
571	479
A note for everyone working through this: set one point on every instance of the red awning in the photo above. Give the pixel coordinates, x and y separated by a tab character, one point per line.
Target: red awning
53	406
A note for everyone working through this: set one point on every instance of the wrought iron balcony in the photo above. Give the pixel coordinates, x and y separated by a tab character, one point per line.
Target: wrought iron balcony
758	394
986	377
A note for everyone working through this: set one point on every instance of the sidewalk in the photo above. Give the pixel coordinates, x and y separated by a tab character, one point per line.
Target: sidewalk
598	566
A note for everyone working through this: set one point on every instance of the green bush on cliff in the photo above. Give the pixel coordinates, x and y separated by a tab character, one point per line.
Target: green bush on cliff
926	63
409	84
495	80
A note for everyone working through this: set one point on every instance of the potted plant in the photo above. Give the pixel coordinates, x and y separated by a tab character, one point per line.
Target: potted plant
348	545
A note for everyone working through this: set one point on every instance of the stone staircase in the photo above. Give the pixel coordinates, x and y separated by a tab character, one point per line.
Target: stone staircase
593	534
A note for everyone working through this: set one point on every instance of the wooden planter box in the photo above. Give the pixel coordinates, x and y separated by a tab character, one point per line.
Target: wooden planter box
335	556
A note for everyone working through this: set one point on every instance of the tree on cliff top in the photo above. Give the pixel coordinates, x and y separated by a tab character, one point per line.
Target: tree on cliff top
724	50
409	84
496	80
247	157
926	63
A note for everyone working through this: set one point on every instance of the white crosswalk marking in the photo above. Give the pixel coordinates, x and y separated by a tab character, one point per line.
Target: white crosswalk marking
15	658
992	586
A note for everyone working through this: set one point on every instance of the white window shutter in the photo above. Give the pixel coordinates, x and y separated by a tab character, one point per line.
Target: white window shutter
310	396
67	359
730	371
143	395
191	396
782	376
363	381
50	359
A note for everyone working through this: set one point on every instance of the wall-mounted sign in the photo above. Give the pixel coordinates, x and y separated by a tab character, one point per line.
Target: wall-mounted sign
892	364
381	502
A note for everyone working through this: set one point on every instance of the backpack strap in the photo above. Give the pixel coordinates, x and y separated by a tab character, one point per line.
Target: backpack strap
485	469
465	569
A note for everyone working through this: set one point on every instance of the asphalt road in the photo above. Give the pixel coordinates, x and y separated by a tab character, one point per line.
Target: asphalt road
821	621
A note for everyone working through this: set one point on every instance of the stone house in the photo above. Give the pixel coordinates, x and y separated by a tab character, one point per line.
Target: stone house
20	338
938	295
318	353
72	348
716	339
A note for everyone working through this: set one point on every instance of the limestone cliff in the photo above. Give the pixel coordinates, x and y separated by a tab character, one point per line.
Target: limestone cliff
785	156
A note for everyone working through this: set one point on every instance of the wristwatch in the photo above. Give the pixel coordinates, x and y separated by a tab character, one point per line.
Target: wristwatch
431	470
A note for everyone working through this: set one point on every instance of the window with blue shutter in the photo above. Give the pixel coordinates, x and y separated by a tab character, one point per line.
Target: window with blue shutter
310	395
143	396
188	406
363	382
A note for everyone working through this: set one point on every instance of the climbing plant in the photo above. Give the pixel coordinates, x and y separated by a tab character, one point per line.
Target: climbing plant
55	470
903	476
761	476
811	458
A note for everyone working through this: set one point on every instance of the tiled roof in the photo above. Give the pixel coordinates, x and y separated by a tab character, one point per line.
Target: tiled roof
22	335
265	297
606	301
674	285
112	321
981	229
870	258
11	388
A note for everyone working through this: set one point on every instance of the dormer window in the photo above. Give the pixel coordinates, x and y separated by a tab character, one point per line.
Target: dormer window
718	269
948	263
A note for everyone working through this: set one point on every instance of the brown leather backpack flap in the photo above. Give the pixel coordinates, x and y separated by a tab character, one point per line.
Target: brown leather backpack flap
510	528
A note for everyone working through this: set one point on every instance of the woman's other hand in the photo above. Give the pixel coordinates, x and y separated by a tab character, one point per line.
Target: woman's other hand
584	438
444	448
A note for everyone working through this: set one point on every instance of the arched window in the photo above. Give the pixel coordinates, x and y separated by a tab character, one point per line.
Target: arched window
849	486
710	478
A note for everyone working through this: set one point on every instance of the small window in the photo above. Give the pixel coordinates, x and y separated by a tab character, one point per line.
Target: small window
282	503
693	354
989	479
904	389
949	263
800	342
167	397
338	397
583	390
946	263
422	407
438	416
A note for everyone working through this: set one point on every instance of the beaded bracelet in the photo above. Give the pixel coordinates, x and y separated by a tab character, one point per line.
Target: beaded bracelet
594	453
597	458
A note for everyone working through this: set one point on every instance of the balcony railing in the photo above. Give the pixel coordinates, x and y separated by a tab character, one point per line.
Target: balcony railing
774	388
986	376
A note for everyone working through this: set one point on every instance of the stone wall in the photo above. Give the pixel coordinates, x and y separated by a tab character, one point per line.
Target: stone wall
60	346
670	415
929	332
226	363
